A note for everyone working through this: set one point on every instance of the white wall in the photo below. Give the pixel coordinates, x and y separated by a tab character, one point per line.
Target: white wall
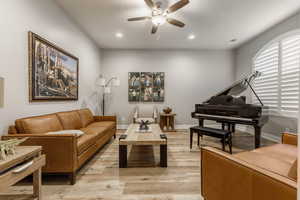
190	77
244	56
45	18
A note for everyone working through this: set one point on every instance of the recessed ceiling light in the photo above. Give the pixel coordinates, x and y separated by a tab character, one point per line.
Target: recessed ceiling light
119	35
191	37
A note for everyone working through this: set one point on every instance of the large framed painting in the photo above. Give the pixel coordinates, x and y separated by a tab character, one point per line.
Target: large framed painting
53	72
146	86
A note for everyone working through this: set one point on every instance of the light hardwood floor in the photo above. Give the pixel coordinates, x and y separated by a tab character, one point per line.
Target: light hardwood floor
101	179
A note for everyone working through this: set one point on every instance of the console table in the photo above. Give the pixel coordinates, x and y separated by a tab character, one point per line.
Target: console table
27	160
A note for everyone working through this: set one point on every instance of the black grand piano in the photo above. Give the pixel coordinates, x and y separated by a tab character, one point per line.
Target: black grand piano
229	109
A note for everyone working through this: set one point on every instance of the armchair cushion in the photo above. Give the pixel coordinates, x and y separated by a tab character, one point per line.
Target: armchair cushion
293	171
277	158
289	138
86	117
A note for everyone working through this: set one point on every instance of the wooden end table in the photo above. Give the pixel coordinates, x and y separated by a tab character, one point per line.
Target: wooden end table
27	160
132	137
167	121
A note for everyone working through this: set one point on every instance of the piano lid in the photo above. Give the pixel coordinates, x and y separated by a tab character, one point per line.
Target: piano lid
240	86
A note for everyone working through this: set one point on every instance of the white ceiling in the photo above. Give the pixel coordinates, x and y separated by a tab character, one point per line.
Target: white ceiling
214	22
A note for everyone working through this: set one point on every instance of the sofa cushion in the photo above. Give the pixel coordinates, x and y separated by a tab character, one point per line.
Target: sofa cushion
41	124
91	136
70	120
85	141
108	124
99	131
293	171
86	117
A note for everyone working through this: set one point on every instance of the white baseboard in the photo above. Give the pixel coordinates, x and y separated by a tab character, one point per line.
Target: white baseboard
247	129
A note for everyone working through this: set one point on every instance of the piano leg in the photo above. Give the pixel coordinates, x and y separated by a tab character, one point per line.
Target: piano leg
191	139
201	122
257	136
223	126
232	128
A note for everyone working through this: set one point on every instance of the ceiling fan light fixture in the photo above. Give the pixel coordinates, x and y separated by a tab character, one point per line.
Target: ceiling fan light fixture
191	37
159	20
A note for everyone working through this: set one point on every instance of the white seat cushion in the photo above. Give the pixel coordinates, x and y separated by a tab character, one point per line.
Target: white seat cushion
78	133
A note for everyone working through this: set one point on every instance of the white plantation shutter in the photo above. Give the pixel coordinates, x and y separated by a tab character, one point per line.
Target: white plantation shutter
267	85
278	87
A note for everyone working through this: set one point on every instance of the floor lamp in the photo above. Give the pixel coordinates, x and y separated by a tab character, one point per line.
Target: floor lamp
106	86
1	92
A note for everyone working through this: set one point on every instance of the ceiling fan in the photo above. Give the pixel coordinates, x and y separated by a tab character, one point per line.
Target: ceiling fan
160	16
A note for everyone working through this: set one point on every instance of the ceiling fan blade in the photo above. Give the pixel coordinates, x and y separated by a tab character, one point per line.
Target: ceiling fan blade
150	3
175	22
138	18
154	29
177	6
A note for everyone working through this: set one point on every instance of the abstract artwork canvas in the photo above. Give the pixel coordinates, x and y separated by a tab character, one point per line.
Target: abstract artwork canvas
53	72
146	86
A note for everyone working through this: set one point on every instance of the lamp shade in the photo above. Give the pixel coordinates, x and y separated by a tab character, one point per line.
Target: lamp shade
107	90
1	92
116	82
101	81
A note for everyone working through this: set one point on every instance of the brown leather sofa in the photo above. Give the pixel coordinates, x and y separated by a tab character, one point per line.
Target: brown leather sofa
267	173
65	154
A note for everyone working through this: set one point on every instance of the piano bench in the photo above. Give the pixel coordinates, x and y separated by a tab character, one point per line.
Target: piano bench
224	135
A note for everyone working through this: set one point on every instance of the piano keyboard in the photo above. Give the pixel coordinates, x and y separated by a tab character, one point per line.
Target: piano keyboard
223	117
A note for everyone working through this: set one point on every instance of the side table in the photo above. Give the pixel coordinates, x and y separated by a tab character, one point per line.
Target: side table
167	122
27	160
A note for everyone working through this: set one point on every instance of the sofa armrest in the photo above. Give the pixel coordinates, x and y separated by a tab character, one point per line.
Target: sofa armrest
290	138
225	177
105	118
60	150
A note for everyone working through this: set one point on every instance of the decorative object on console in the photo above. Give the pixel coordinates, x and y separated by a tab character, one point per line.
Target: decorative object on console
144	125
1	92
167	110
106	85
53	72
146	86
8	147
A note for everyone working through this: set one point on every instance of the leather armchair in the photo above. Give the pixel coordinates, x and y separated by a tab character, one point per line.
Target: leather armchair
236	177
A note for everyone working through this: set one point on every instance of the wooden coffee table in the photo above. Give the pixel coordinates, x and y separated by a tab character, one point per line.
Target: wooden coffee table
132	137
27	160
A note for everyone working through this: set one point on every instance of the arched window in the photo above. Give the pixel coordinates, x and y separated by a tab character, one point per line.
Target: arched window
279	62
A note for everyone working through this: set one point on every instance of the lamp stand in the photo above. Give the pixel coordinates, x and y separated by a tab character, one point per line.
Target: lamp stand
103	104
106	89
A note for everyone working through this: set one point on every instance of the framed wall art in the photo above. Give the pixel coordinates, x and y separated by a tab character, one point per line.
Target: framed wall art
146	86
53	72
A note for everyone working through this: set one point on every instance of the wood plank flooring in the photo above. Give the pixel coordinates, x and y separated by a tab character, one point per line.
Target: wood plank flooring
101	179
